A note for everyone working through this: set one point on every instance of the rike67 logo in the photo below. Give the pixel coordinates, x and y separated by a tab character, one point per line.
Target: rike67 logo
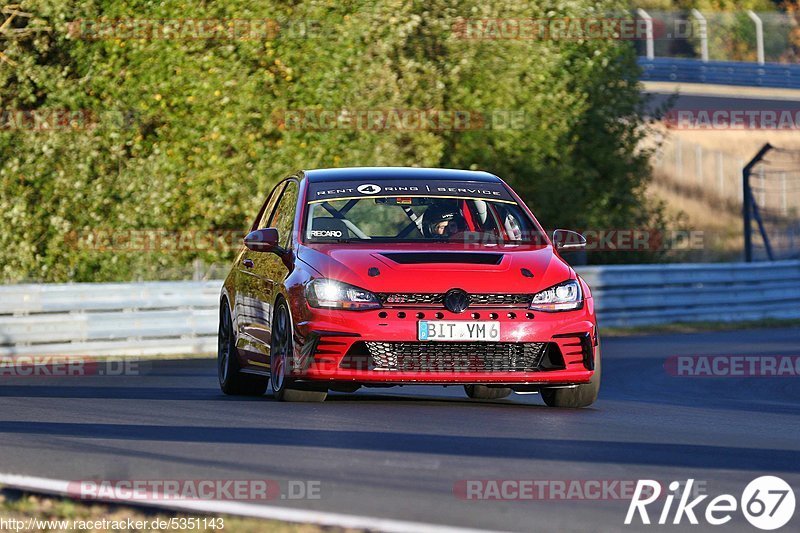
767	503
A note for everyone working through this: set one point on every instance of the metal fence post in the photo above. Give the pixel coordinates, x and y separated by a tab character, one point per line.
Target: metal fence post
747	203
648	24
759	35
198	270
698	163
703	34
748	238
740	164
783	193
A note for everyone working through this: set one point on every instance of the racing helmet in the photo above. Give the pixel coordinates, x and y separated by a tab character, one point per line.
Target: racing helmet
436	214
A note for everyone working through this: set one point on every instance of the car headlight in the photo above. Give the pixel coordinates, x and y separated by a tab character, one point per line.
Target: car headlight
330	294
562	297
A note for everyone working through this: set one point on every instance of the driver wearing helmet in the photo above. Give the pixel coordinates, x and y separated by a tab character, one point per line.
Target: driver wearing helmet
441	221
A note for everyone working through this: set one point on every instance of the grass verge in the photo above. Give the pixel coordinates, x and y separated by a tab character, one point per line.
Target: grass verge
27	512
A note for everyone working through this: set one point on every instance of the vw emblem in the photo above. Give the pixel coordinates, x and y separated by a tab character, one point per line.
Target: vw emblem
456	300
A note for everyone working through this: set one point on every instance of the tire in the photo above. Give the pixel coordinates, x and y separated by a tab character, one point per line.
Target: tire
482	392
284	389
231	380
581	396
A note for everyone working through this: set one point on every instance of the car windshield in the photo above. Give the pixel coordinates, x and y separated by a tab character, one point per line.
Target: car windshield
376	213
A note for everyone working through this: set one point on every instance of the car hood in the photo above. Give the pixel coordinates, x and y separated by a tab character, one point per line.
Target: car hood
413	268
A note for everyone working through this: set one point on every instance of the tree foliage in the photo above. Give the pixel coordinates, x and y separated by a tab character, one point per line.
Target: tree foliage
181	133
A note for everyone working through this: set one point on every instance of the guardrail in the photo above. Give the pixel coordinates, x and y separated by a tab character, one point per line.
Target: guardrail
109	318
181	317
740	73
633	295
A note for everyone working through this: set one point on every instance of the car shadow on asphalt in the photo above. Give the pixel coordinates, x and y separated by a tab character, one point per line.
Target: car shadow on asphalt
584	450
213	393
111	393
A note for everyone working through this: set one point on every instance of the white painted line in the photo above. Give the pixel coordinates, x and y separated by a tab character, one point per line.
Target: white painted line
269	512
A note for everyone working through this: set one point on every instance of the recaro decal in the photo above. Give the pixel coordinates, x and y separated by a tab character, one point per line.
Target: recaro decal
325	233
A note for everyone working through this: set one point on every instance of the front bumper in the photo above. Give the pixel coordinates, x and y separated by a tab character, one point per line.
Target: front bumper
334	346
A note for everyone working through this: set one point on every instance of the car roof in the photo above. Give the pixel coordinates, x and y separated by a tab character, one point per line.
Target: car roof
393	173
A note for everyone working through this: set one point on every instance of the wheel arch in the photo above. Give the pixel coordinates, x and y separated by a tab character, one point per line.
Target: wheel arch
282	298
224	297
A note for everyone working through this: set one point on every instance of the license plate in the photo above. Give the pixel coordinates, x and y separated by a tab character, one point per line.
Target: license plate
461	330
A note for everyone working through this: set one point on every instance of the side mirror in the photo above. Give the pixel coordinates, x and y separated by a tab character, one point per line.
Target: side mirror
565	239
263	240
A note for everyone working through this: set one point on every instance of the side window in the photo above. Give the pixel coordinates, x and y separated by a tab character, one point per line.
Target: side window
266	209
283	216
511	223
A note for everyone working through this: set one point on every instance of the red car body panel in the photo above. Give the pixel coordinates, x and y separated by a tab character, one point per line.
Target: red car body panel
324	339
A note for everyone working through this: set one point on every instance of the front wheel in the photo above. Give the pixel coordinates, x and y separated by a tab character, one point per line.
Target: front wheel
581	396
281	347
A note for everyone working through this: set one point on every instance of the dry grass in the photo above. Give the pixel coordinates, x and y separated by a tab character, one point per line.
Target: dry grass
24	506
721	226
740	143
712	204
701	213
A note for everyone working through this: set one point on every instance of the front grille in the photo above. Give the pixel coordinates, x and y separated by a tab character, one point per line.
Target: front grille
456	356
437	299
411	298
500	299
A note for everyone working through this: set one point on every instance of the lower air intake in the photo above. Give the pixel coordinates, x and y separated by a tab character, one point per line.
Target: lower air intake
456	356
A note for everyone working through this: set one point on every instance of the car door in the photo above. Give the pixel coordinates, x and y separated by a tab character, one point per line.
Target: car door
251	310
264	273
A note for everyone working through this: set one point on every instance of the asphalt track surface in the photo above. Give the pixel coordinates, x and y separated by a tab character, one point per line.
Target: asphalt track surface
398	453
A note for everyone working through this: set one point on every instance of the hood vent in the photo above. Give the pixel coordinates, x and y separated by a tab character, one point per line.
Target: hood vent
415	258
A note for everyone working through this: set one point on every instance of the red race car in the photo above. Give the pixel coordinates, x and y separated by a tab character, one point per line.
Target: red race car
377	277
